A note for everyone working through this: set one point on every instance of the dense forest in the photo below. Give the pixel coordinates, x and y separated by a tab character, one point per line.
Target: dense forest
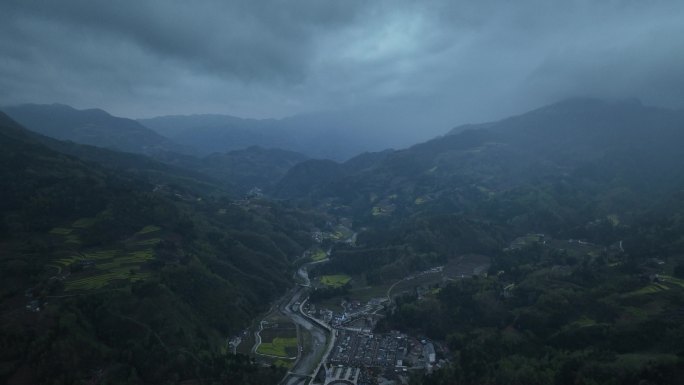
124	268
127	280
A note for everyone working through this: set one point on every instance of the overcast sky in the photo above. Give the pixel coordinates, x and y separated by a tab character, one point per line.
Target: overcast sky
419	65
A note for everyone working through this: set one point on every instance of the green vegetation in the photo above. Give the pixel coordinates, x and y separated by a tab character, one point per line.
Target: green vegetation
148	229
318	255
147	269
60	231
582	321
148	242
337	280
99	281
649	289
134	283
84	223
279	347
286	364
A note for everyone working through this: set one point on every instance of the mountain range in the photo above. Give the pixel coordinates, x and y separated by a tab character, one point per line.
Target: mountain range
327	136
93	126
144	261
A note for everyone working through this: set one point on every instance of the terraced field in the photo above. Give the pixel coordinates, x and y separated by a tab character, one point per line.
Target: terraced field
101	280
665	283
96	269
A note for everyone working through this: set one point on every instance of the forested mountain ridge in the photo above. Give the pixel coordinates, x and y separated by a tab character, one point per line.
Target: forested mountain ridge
595	145
326	136
493	182
107	275
236	171
93	126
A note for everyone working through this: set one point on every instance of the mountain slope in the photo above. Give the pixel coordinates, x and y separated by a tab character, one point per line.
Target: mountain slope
94	127
589	141
241	169
236	171
126	282
559	170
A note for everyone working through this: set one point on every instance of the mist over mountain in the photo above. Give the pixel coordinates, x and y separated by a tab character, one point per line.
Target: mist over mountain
236	171
191	234
324	135
225	192
595	146
242	170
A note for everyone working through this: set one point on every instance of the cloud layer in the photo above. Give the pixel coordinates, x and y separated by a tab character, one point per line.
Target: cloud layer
420	67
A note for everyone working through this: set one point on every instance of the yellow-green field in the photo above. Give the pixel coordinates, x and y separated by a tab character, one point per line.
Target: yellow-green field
584	321
61	231
84	223
99	281
318	255
649	289
336	280
148	229
613	219
278	346
72	240
676	281
103	267
109	266
281	363
147	242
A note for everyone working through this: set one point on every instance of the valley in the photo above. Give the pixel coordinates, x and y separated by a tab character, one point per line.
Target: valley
341	192
492	252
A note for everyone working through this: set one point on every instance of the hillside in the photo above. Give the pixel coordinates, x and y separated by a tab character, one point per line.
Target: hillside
93	127
96	136
241	169
579	208
553	170
593	144
111	276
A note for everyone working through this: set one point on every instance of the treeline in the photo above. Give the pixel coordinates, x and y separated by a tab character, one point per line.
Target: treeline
589	324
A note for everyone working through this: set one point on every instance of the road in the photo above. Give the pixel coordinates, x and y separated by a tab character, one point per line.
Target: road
311	356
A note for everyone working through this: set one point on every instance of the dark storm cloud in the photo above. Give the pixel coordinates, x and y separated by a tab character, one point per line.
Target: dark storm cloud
243	39
417	67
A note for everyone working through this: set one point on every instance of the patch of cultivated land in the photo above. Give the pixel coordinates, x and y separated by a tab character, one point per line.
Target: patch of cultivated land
279	340
318	255
284	347
95	269
336	280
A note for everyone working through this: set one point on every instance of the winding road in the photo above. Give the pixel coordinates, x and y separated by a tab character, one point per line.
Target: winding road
311	357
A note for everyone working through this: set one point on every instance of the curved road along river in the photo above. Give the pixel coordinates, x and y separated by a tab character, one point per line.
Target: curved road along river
311	356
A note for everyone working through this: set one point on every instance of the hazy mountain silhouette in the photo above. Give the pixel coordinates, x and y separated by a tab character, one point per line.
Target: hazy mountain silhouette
93	126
